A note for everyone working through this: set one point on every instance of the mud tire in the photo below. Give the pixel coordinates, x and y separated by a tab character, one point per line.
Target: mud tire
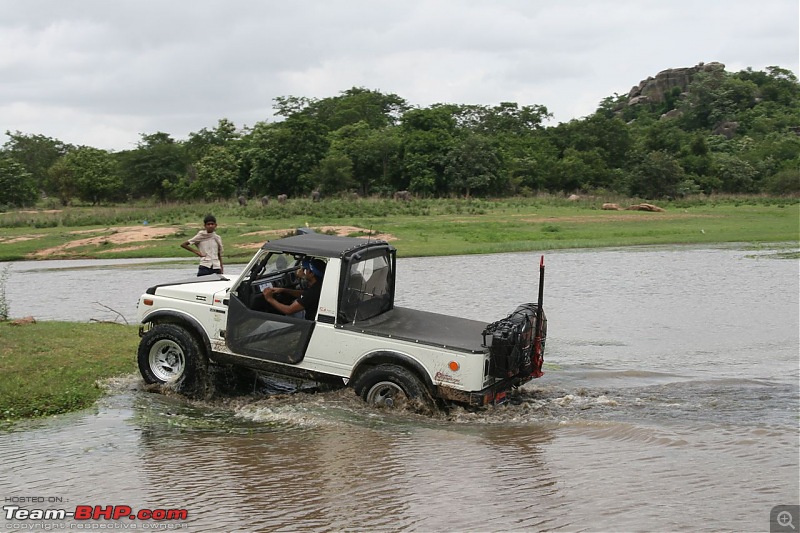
393	387
170	355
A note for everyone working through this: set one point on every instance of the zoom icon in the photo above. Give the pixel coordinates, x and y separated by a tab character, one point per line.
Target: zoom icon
784	518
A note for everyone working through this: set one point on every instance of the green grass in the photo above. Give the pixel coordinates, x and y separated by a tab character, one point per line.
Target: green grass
50	368
421	227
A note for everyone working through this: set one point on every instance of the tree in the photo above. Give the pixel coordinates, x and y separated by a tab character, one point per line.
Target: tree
570	172
735	174
200	142
657	175
354	105
351	141
282	156
665	136
36	153
334	174
89	173
217	174
530	172
776	85
98	178
61	182
155	167
384	147
507	118
427	136
784	182
17	186
593	152
286	106
474	166
373	154
715	97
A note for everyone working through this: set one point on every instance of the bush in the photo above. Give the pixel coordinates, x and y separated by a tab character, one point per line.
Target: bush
784	182
3	299
17	188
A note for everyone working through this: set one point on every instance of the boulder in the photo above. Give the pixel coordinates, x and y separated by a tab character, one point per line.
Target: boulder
672	113
23	321
644	207
728	129
612	207
654	89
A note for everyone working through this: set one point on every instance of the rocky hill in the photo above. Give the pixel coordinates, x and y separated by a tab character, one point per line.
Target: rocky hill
653	89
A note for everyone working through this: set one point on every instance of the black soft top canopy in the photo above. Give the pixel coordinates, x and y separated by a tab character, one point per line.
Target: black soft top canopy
320	245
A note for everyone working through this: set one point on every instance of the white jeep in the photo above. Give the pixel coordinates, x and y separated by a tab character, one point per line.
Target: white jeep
388	354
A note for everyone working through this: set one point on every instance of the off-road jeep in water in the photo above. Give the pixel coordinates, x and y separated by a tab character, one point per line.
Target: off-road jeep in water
388	354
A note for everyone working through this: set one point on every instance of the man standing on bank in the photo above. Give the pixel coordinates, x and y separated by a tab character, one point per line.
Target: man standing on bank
208	247
308	298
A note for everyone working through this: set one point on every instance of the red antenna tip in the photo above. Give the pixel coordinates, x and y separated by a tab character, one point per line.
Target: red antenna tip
541	262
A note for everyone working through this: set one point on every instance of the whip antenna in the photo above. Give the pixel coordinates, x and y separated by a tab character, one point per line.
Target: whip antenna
538	356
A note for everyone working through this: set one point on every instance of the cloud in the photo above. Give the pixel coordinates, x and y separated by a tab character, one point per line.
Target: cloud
101	73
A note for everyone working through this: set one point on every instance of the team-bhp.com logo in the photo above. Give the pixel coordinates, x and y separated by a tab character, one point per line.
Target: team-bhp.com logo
88	514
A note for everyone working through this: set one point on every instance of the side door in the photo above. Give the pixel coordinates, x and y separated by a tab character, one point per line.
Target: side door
257	333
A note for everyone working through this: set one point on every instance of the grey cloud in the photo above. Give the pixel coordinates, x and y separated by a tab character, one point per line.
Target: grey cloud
179	67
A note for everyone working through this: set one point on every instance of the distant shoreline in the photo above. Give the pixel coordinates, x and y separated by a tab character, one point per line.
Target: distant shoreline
421	227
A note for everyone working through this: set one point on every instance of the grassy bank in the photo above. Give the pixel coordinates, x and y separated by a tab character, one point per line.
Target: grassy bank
49	368
421	227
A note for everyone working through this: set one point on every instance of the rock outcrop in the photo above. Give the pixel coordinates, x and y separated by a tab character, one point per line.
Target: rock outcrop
636	207
25	321
645	207
653	90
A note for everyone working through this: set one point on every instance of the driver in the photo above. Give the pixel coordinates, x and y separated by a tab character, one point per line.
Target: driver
307	299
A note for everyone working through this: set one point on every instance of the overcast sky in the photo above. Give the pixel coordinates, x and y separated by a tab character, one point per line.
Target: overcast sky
102	72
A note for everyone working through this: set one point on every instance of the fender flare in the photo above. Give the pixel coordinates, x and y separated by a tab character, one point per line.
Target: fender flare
385	356
177	317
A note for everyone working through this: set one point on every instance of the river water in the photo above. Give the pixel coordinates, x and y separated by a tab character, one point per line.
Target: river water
669	403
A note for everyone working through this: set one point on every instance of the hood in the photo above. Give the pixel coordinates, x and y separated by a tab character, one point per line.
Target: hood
193	290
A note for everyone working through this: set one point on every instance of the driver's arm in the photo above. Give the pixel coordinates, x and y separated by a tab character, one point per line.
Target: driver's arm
283	290
295	306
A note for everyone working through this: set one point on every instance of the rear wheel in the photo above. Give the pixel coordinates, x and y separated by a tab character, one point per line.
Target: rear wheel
392	386
169	354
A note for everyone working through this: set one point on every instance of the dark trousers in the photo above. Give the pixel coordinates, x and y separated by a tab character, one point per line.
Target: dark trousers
205	271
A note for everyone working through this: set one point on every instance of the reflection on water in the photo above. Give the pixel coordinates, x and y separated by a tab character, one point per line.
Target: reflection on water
670	402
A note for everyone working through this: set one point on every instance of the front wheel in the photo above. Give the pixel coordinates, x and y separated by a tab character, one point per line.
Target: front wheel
393	387
169	354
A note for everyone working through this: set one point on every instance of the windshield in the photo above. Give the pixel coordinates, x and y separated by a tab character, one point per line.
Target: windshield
271	263
277	262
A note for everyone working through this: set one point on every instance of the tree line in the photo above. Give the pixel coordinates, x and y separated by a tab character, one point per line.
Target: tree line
728	132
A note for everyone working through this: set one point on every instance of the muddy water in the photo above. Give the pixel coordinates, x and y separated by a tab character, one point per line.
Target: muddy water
670	402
